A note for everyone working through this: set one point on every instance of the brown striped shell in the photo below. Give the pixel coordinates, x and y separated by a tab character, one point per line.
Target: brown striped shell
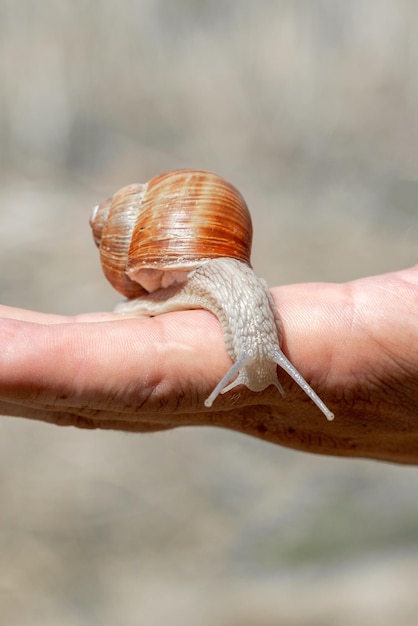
151	235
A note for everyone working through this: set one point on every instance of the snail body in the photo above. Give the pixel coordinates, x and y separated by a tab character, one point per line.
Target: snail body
183	241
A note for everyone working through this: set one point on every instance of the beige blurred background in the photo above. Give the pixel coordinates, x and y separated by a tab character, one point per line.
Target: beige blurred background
311	108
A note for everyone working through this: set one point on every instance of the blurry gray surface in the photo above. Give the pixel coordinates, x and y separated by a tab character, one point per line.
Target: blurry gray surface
310	108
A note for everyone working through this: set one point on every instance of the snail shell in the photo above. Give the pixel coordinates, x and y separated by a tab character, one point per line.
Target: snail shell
151	235
183	241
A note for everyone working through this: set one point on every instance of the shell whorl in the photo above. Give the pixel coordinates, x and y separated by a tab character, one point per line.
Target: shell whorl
174	222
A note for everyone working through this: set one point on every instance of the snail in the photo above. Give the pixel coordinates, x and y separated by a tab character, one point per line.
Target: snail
183	241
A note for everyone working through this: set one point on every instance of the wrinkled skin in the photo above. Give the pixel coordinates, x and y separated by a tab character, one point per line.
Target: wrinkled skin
356	344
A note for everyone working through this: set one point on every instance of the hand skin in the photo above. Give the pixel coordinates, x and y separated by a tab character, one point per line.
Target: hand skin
355	343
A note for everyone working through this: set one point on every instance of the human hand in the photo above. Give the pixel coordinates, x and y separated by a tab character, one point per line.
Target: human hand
356	344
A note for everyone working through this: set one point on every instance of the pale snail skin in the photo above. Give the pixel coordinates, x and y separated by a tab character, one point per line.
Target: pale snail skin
183	241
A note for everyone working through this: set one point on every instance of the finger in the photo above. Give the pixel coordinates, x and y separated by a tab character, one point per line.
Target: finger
84	418
119	365
37	317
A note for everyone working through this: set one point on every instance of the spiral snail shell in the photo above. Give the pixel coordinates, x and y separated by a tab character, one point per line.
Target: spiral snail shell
150	232
183	241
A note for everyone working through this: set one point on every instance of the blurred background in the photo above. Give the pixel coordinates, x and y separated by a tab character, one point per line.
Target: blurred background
310	107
